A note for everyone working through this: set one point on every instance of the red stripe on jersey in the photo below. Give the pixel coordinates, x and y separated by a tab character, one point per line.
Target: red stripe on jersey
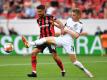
43	32
52	29
47	30
40	23
46	27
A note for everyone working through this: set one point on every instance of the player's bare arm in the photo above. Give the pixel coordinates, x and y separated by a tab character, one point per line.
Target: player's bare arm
57	34
59	25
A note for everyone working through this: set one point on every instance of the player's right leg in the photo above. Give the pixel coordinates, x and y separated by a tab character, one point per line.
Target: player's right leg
34	62
49	40
26	43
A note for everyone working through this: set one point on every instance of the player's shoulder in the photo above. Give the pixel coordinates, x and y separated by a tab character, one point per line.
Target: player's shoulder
69	19
80	23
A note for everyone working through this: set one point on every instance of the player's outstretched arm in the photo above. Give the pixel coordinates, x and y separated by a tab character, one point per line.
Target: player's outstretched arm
57	33
59	25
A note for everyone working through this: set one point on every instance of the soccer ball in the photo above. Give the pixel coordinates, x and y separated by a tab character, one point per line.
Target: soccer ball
8	47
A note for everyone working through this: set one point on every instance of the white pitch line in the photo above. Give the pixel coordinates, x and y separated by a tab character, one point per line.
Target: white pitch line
4	65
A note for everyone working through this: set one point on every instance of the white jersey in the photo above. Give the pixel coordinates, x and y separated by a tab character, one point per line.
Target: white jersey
75	26
67	40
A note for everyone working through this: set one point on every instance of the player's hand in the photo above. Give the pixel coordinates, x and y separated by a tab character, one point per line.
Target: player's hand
52	21
65	30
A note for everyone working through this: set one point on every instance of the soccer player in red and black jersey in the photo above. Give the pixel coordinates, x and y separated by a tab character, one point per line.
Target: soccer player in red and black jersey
46	24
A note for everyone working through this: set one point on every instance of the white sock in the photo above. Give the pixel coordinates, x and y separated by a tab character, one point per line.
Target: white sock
40	41
32	43
79	64
63	70
34	71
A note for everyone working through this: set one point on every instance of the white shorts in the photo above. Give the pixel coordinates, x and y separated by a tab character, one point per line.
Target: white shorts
67	45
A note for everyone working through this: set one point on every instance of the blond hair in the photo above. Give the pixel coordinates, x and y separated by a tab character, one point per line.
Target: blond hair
77	11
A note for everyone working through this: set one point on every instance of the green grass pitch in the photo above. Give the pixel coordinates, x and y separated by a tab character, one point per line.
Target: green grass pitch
17	67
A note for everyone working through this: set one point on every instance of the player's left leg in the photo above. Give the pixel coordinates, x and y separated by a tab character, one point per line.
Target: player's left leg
59	62
71	51
52	50
79	64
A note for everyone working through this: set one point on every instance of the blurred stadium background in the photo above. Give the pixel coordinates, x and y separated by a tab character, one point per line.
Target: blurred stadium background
18	17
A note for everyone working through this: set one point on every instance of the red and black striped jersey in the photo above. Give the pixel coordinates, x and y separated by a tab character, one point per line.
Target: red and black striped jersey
46	26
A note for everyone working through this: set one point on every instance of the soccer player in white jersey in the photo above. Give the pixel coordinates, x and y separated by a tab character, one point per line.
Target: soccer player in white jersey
73	29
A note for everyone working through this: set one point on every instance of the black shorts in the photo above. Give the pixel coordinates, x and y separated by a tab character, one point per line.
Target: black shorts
43	46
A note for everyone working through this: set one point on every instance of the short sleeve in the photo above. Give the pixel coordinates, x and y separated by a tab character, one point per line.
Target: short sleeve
79	29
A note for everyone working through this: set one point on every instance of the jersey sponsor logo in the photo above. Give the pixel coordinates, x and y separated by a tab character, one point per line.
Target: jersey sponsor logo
44	25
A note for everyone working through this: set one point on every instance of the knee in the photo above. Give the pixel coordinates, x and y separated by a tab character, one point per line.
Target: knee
75	62
73	58
35	52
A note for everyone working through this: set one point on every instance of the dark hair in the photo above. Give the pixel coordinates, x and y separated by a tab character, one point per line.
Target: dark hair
77	11
41	7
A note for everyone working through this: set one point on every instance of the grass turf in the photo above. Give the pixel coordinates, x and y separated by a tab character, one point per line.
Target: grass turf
16	68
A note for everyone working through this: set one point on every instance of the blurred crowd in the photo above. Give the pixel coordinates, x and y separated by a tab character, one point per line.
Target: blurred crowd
26	9
11	30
